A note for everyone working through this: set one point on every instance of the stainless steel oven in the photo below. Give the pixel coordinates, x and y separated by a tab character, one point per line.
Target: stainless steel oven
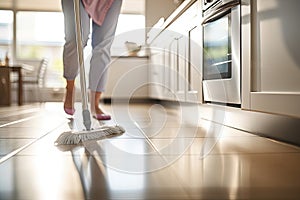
221	51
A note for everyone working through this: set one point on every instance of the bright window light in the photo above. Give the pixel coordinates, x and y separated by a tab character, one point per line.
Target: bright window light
41	35
6	32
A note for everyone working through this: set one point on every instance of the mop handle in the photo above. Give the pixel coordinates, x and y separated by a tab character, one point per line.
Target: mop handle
85	111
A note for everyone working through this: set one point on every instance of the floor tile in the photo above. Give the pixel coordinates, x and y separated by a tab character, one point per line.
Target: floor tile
82	177
225	145
9	145
159	157
171	132
251	176
40	177
22	132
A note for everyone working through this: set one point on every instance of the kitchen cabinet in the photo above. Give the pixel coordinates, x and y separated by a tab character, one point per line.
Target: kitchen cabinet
180	68
127	78
156	75
271	58
170	69
180	59
194	69
159	67
269	68
168	80
164	65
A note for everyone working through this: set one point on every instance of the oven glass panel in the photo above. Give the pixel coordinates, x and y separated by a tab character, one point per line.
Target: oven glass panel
217	49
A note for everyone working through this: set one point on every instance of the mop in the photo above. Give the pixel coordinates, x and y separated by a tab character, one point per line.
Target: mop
78	137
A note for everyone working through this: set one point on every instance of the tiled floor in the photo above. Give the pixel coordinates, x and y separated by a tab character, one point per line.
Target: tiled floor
165	153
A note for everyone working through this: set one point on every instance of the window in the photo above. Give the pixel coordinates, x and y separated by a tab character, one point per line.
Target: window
39	35
6	33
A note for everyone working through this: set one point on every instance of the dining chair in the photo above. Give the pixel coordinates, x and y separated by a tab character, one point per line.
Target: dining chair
37	82
39	79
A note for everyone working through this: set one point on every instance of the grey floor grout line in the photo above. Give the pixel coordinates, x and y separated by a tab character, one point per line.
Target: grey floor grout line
13	153
163	157
20	120
146	137
21	112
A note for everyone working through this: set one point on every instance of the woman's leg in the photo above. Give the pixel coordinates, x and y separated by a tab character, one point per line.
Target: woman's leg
102	38
69	98
70	58
95	99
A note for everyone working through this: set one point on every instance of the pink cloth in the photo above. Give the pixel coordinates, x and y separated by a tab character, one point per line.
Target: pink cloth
97	9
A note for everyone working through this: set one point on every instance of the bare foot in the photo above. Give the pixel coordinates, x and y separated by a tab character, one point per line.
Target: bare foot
95	108
69	98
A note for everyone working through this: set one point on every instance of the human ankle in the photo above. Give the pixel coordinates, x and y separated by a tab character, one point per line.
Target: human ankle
69	102
95	99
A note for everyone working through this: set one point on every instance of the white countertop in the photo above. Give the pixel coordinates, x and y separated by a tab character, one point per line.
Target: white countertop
156	30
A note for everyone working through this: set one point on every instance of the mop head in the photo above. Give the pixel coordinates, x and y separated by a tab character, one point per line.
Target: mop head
73	138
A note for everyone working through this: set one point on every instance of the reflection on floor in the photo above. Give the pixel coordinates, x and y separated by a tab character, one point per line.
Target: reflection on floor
166	153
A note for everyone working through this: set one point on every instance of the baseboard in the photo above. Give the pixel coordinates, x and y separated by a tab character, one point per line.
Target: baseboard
277	127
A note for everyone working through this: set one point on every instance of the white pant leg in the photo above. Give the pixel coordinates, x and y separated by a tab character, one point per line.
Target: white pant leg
102	38
70	57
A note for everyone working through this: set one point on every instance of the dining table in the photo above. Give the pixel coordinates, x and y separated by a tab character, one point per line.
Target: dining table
5	82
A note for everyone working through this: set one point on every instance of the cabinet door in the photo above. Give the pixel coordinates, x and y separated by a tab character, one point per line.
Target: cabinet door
194	68
271	68
168	89
171	87
127	78
180	68
156	79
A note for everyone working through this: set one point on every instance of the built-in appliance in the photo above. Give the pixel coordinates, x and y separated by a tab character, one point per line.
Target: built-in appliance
221	51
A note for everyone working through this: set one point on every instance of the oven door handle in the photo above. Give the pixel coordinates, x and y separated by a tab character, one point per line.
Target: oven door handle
219	12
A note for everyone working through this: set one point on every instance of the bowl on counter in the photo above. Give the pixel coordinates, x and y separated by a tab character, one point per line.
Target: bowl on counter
132	48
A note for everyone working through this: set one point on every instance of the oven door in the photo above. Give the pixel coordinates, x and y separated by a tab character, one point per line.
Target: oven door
217	58
221	55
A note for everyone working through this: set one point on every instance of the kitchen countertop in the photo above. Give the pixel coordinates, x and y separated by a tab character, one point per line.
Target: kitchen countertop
130	56
155	31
